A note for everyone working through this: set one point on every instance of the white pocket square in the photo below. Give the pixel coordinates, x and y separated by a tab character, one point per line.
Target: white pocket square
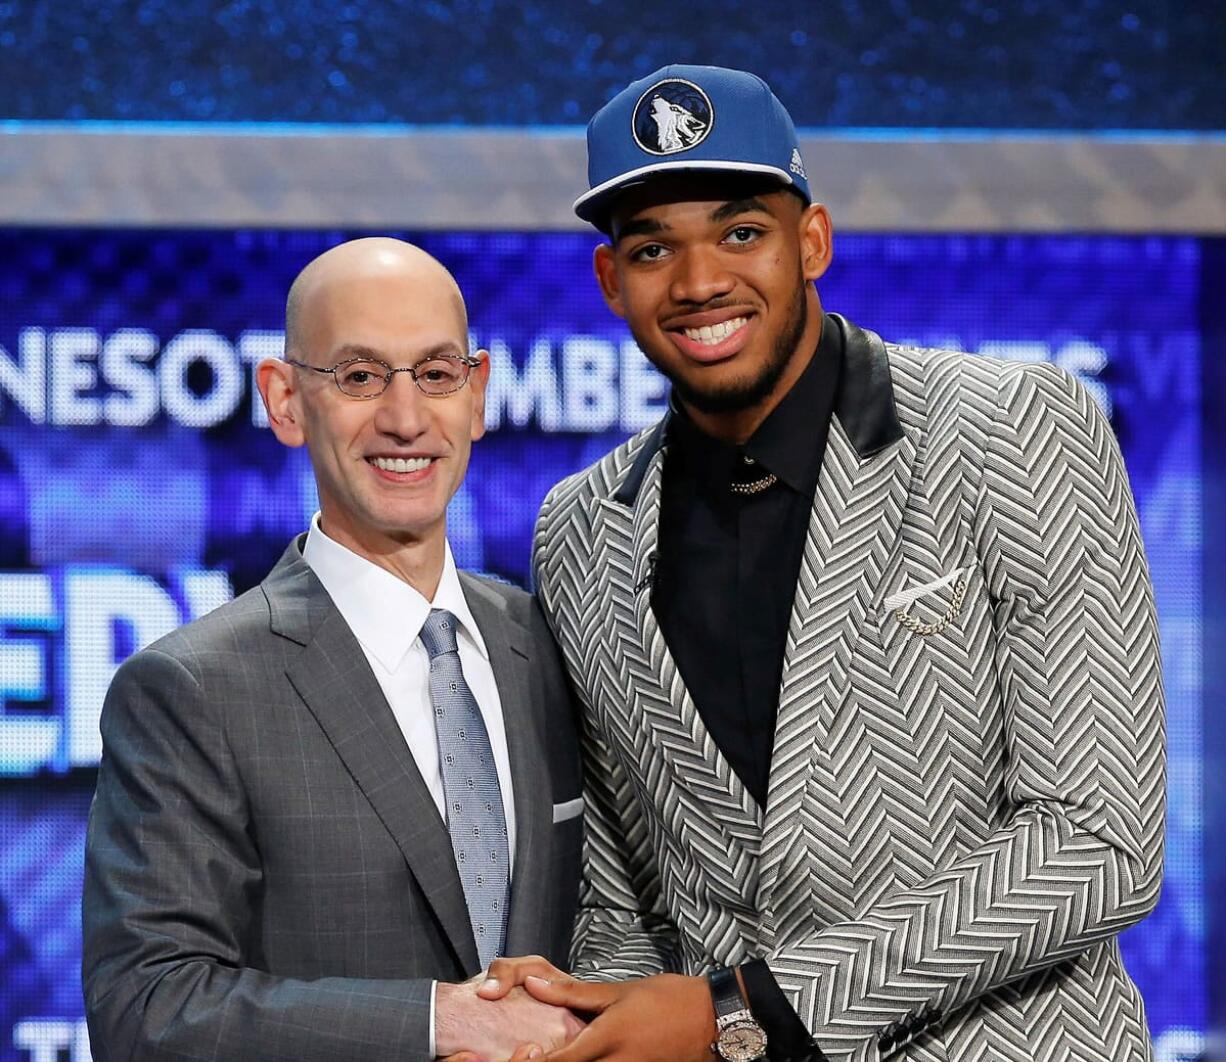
913	593
568	809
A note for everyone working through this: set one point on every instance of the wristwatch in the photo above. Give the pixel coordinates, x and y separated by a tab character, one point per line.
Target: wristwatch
739	1037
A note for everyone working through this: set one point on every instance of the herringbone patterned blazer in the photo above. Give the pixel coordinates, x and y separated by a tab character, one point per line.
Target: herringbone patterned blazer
966	793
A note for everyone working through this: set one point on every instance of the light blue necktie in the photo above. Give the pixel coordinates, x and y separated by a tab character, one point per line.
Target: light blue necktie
475	819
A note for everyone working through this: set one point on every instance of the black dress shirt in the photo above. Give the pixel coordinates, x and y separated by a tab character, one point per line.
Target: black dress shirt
725	578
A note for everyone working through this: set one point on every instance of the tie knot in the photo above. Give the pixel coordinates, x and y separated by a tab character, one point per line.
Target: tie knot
438	632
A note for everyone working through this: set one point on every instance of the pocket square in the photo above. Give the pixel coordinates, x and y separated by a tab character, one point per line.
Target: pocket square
913	593
899	602
568	809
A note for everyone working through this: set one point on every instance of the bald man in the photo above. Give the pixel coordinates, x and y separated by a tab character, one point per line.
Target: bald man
327	805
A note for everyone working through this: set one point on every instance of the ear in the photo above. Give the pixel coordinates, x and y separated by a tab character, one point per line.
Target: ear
477	380
606	276
275	379
816	241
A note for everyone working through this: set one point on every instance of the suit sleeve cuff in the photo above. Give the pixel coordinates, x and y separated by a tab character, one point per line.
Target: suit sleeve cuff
787	1039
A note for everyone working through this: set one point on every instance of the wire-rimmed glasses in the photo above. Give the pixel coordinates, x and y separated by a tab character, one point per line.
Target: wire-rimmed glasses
436	375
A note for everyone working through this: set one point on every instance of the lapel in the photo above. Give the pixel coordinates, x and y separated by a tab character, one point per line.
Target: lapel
508	644
853	532
335	681
719	820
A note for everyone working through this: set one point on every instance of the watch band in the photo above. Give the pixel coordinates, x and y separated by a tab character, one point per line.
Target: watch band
725	992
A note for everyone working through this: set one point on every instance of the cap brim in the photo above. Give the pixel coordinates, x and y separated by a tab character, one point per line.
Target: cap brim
592	203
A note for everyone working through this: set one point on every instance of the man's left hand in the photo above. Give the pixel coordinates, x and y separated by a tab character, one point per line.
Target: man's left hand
665	1018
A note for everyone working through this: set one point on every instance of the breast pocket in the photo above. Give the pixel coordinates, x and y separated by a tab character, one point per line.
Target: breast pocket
930	607
938	622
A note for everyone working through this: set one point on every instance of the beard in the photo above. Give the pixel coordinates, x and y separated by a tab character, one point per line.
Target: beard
747	393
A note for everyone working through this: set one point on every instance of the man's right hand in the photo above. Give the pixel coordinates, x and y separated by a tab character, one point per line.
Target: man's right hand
482	1030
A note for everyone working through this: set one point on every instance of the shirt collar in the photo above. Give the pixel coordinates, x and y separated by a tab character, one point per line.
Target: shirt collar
782	442
780	445
384	612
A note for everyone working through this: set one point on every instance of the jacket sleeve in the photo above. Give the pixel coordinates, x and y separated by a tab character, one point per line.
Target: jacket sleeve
622	929
171	903
1078	856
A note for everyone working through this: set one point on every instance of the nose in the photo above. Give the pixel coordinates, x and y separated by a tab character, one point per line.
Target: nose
401	411
700	275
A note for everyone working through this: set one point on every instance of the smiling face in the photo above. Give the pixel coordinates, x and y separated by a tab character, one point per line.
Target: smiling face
385	467
718	292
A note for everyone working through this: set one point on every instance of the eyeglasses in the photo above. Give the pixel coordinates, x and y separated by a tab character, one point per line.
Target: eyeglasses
437	375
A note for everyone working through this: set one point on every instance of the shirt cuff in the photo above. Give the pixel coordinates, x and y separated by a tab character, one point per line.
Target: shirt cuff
787	1039
433	993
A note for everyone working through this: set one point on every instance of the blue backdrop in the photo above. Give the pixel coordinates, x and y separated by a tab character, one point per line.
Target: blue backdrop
1039	64
139	488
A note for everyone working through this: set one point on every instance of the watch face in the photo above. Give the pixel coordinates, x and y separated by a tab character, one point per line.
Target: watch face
742	1041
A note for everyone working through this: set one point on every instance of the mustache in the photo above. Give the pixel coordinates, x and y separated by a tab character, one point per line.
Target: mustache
722	303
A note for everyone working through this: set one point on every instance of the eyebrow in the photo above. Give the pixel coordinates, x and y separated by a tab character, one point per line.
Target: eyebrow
640	227
357	350
735	207
652	227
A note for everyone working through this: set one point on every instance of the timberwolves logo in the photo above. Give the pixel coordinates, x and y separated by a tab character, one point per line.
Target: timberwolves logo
672	116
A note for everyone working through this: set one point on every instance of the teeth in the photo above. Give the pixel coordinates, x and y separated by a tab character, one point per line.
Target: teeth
709	335
400	464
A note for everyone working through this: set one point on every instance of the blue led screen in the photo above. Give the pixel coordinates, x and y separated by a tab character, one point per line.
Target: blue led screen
979	64
139	488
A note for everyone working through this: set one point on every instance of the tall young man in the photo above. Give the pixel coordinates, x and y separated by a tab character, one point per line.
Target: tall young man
865	642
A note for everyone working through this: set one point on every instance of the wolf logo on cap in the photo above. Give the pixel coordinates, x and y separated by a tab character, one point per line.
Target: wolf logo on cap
672	116
677	128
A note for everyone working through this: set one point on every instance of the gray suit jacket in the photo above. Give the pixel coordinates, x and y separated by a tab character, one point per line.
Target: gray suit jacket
267	876
966	789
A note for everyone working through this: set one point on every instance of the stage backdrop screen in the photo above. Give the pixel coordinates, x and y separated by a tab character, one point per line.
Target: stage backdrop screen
140	488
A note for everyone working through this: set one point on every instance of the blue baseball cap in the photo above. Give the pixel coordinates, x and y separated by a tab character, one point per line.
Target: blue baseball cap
697	118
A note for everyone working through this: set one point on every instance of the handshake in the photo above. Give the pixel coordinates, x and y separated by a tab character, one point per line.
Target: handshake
526	1008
